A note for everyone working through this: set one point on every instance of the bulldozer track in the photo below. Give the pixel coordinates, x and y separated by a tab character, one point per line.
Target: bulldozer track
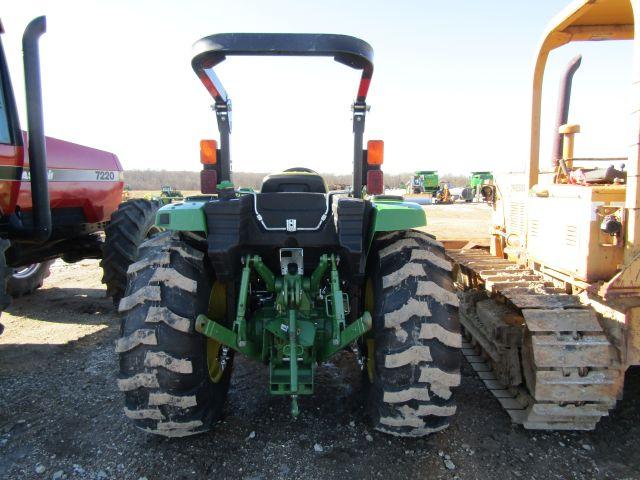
542	353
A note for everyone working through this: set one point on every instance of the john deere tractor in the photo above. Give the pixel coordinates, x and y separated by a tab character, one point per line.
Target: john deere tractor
288	276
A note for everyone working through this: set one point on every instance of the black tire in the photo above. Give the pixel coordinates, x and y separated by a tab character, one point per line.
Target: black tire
25	280
163	360
5	273
130	225
416	333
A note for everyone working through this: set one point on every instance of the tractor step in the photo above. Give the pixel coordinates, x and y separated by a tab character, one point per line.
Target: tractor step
541	352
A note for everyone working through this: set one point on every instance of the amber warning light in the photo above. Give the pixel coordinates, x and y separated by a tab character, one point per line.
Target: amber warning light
208	152
375	152
375	158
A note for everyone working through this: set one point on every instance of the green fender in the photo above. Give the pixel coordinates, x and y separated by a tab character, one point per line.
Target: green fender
187	216
391	215
388	216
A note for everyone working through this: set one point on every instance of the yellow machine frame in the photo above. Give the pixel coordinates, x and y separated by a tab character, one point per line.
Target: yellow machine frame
588	20
553	307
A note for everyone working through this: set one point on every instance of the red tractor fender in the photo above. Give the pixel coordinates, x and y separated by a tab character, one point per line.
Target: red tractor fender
79	177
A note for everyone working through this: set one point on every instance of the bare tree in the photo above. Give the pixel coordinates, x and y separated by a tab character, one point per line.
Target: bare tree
188	180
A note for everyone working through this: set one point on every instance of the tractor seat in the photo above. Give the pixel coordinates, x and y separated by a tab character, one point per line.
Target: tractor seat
298	179
279	209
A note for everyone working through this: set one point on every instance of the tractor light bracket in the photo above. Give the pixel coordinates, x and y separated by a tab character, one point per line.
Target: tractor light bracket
360	109
223	117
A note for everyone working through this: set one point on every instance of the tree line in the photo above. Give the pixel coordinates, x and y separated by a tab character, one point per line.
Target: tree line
189	180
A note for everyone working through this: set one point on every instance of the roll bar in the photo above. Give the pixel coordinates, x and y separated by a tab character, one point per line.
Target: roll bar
353	52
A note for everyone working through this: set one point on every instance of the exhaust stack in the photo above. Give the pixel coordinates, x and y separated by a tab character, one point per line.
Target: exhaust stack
562	115
41	230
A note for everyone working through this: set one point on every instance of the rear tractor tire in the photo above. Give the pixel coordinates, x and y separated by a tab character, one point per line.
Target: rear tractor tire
5	273
166	374
24	280
130	225
412	358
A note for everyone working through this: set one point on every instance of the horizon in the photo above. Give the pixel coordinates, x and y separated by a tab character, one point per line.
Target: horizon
455	93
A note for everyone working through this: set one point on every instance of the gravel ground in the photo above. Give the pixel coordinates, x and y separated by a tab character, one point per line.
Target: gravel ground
61	416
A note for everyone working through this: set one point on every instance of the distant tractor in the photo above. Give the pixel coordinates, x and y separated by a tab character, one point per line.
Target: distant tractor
443	194
57	197
551	310
475	190
169	193
480	183
289	276
478	179
126	193
424	181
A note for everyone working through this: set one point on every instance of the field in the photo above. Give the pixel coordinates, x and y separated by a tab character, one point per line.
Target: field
460	221
61	416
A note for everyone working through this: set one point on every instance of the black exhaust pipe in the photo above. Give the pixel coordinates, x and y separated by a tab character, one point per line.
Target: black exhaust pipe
41	230
562	115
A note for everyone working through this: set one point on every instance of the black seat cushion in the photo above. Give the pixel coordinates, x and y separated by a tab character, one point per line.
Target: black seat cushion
305	208
294	181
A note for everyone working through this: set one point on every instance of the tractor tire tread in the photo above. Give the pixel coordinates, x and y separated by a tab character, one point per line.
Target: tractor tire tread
130	225
5	273
417	336
165	380
18	287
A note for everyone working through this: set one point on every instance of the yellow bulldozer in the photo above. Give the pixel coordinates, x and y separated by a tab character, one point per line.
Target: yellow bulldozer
551	308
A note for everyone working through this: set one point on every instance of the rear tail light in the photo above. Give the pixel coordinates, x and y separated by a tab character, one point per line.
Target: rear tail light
375	182
208	181
375	152
208	152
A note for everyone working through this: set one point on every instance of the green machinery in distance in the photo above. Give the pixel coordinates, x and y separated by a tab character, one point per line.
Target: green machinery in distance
478	179
168	194
424	181
479	187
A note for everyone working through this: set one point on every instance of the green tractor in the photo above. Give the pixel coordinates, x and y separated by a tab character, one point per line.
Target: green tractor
288	276
169	194
479	184
478	179
424	181
479	187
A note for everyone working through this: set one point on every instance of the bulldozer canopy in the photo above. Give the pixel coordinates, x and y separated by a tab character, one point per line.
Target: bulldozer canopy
590	20
587	20
582	20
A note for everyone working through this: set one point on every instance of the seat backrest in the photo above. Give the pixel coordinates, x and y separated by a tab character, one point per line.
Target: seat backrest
277	208
294	180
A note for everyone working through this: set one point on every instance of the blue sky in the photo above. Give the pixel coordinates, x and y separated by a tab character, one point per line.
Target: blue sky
451	88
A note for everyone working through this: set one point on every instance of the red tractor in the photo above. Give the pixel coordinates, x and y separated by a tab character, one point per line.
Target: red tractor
58	199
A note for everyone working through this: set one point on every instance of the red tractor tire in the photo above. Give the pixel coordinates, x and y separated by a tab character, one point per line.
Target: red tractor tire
130	225
5	273
24	280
